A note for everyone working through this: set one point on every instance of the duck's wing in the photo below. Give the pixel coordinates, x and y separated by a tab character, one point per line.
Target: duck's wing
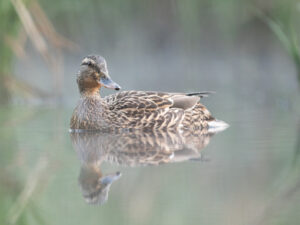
149	101
159	110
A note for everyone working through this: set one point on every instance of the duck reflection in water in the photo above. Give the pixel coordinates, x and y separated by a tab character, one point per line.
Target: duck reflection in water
130	149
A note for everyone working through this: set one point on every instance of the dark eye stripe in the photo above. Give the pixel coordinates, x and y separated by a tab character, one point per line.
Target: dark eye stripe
95	67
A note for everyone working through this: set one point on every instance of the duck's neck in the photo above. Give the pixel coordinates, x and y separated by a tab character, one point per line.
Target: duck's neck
90	93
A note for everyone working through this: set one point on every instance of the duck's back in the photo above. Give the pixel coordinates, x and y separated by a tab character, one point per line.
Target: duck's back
157	110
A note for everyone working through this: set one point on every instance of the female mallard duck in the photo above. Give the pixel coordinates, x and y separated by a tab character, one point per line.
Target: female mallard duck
133	109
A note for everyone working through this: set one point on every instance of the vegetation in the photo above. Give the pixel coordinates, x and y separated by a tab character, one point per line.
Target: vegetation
283	23
9	26
166	22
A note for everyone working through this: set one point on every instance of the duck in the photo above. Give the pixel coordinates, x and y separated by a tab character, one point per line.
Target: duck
142	110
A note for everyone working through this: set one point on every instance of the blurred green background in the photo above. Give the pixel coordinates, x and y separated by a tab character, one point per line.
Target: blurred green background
246	51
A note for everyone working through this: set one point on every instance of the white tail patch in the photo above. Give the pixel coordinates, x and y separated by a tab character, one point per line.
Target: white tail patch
216	126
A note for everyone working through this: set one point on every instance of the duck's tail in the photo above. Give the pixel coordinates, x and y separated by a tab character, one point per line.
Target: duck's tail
201	94
216	126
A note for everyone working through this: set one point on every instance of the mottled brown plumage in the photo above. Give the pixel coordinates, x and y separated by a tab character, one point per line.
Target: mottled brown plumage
132	109
153	147
132	149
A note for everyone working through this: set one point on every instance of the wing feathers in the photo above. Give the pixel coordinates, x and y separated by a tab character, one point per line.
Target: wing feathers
201	94
149	101
185	102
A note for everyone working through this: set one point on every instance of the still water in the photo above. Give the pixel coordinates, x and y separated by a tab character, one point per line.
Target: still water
247	174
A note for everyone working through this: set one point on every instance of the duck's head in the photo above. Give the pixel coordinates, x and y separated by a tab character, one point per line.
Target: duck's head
93	75
94	185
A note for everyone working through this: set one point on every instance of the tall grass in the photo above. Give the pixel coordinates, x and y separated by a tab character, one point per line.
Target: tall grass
9	26
166	22
26	20
283	20
289	39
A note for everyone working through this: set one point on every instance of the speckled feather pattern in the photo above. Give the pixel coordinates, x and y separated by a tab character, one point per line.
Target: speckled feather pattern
138	148
138	110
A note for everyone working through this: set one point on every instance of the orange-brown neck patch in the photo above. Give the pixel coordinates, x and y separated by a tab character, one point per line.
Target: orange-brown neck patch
89	86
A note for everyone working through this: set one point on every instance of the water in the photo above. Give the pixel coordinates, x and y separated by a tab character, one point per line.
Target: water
247	174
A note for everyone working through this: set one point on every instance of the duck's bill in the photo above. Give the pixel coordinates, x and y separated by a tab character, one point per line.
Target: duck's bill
110	178
109	83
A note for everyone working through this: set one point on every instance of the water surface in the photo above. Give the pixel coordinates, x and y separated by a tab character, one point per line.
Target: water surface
247	174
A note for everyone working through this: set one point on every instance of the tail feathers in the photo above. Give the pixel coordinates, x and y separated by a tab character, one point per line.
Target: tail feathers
201	94
216	126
